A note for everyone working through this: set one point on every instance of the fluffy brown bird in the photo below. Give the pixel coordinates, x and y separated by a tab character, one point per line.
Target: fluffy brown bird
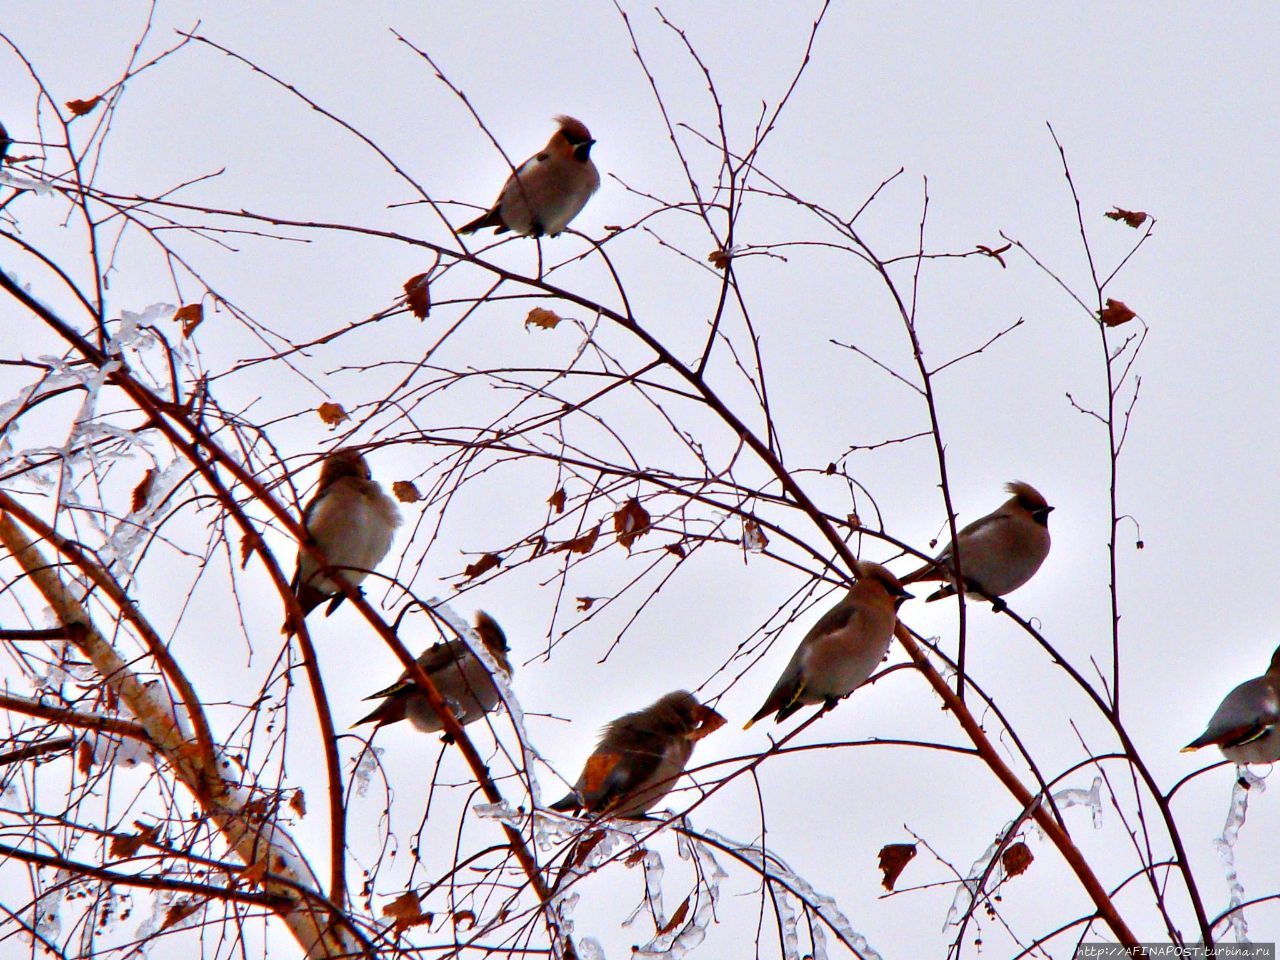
640	756
547	190
999	552
461	677
1244	727
843	649
352	521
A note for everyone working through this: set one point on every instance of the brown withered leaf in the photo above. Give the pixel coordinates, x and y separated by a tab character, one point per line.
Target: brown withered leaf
677	549
1016	859
84	756
79	108
630	522
753	537
126	845
581	850
332	413
556	500
1134	218
585	604
636	857
582	544
417	292
994	252
406	910
179	911
142	491
894	858
677	918
298	803
543	319
405	491
854	521
254	874
1115	313
248	543
464	917
486	563
719	258
190	316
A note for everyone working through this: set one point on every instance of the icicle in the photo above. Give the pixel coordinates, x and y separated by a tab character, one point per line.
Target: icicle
653	874
1077	797
589	949
48	919
1225	844
502	811
365	769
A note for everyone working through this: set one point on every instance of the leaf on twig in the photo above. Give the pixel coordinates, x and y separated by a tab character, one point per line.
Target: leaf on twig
855	522
630	522
582	544
543	319
720	258
486	563
556	500
417	292
84	757
464	919
190	315
406	910
994	252
332	413
585	604
636	857
1115	313
894	858
1016	859
254	874
1134	218
126	845
79	108
180	911
677	918
405	491
753	538
298	803
248	543
677	549
142	491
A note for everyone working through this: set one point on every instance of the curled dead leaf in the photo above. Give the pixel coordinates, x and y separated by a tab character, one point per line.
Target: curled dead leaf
298	803
406	911
190	316
894	858
417	292
464	919
84	756
126	845
753	538
79	108
585	604
1016	859
556	500
630	522
405	491
332	413
581	544
677	918
720	259
142	491
1115	313
543	319
636	857
677	549
1134	218
180	911
248	543
483	565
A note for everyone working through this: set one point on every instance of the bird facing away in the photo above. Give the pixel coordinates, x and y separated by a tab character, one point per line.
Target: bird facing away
640	756
843	649
352	521
547	190
1244	727
461	677
999	552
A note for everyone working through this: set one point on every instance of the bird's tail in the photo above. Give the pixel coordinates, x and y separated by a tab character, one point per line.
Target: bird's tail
566	804
490	218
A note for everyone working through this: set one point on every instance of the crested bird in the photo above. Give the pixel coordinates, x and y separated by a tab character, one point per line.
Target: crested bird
640	756
461	677
549	189
352	521
842	649
1244	727
999	552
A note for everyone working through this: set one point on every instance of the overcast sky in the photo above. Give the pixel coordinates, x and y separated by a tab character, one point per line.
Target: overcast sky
1171	111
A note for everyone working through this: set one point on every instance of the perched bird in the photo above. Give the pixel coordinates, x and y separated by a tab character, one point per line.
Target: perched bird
549	189
640	756
352	521
999	552
843	649
461	677
1244	727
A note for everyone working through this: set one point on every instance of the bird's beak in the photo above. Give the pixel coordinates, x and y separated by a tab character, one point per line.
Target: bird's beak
708	722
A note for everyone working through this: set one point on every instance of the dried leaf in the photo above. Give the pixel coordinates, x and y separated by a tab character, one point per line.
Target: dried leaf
298	803
464	917
406	910
254	874
190	316
79	108
124	845
557	500
543	319
1016	859
677	918
1134	218
142	491
677	549
179	912
332	413
894	858
486	563
405	491
631	522
1115	313
855	522
753	538
719	258
582	544
248	543
994	253
84	757
585	604
417	293
636	857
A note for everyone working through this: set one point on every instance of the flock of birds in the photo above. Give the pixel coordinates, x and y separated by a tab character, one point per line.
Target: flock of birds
640	755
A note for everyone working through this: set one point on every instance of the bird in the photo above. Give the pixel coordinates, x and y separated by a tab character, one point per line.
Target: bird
640	756
1244	727
842	649
461	677
352	521
547	190
998	553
